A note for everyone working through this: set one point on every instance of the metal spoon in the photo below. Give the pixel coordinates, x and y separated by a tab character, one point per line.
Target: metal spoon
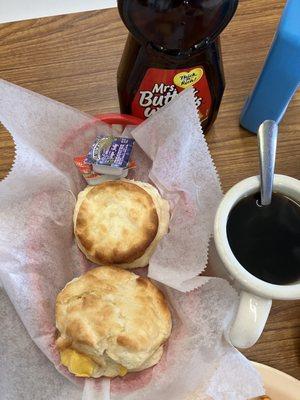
267	143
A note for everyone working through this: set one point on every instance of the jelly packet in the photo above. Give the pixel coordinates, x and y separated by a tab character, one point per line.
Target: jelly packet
110	155
93	178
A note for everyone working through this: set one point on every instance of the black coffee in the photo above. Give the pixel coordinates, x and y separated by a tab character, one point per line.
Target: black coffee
266	239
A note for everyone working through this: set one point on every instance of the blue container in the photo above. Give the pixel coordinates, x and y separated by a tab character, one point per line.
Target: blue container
280	76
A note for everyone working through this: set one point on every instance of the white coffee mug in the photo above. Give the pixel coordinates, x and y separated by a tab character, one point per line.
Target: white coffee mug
255	294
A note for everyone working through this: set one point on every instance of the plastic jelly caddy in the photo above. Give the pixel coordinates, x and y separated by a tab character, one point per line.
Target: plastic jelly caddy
280	76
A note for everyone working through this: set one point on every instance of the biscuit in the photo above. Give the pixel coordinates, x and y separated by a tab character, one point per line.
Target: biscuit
120	222
116	318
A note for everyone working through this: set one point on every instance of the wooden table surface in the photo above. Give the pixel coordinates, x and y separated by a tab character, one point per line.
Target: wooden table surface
74	59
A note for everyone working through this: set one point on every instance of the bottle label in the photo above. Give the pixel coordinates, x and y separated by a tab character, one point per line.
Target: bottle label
160	86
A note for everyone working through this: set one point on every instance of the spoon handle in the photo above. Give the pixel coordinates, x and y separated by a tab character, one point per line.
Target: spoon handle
267	143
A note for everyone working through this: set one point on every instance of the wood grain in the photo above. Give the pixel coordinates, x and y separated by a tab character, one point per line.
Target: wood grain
74	59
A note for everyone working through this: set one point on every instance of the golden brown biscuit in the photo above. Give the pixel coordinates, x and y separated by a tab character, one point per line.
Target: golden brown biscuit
120	222
115	319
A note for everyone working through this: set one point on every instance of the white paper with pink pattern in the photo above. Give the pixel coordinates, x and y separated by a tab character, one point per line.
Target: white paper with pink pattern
38	255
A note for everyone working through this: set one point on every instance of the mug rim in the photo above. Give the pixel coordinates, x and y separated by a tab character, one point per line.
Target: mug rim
283	184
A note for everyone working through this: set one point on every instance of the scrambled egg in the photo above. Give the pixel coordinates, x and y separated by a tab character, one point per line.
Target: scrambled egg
122	370
78	364
81	365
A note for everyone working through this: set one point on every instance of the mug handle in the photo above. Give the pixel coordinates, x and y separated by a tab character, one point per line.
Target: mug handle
252	314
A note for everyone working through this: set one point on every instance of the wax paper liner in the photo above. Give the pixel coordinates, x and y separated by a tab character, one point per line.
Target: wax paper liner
38	257
184	172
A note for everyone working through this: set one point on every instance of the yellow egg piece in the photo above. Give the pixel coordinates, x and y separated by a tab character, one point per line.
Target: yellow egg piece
122	371
79	364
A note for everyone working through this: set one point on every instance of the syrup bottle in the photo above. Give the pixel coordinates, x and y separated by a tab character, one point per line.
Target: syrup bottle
172	45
